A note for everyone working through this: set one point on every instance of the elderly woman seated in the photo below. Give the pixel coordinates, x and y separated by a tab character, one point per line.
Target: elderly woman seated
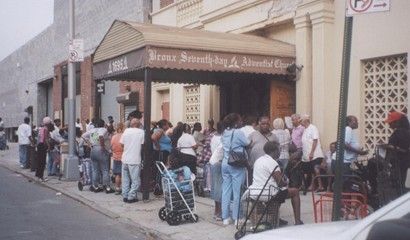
270	183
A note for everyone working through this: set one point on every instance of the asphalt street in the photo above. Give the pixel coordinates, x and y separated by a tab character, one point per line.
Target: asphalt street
31	211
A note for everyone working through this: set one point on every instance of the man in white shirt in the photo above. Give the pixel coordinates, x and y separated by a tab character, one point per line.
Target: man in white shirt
78	124
132	141
312	153
268	179
352	144
24	139
90	125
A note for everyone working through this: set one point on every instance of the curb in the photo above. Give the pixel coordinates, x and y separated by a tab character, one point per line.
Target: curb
150	233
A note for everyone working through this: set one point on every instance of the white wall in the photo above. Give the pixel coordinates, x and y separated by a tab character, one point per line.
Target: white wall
109	105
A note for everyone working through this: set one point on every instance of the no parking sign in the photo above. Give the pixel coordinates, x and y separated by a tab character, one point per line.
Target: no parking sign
76	50
354	7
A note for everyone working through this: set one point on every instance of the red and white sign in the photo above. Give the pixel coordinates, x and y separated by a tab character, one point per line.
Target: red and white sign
354	7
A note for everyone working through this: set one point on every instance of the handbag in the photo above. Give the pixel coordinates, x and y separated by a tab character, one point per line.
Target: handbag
237	159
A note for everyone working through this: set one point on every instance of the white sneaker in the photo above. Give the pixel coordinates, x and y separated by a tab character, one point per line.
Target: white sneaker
227	221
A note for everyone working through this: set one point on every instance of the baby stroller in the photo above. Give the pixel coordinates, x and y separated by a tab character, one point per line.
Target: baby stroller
85	168
178	190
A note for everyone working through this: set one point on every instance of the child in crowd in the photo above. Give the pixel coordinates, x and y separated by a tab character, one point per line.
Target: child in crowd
327	164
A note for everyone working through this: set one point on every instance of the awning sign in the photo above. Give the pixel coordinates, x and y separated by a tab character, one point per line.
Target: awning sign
184	59
214	61
76	50
354	7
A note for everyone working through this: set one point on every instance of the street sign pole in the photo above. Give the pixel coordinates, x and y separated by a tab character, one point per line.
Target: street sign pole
344	88
70	166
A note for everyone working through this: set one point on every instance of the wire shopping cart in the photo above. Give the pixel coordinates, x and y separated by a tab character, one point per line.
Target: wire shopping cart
353	202
179	195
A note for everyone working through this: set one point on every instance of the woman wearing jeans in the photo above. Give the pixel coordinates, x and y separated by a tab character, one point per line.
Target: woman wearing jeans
233	177
100	157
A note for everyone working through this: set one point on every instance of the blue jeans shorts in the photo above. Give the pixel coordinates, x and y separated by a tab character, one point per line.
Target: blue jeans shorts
116	168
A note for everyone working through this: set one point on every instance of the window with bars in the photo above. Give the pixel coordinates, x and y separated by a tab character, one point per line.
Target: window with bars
192	104
385	89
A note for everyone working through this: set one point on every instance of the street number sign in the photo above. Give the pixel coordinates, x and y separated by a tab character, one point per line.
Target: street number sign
101	87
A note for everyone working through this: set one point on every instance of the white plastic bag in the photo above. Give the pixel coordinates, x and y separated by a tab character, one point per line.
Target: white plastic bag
217	155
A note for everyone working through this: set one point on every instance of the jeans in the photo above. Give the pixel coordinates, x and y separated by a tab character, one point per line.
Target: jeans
233	179
51	166
101	166
23	154
130	176
216	182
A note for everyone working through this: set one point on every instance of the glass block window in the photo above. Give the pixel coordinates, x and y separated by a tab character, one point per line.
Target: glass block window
385	89
192	104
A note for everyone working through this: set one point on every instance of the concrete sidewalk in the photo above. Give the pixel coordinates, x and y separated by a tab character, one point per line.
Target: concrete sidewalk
144	215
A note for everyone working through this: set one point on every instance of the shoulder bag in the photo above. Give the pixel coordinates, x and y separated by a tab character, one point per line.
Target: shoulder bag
237	159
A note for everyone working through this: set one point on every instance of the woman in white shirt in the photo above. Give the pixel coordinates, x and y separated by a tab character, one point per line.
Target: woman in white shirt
284	141
187	145
216	171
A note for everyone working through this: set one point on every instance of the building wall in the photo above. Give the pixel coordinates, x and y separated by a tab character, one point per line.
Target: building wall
257	17
34	62
377	35
316	28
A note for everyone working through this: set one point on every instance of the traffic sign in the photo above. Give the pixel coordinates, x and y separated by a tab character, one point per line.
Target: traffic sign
76	50
354	7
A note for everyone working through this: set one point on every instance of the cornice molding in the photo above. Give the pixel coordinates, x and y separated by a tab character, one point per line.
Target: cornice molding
319	11
302	21
229	10
322	17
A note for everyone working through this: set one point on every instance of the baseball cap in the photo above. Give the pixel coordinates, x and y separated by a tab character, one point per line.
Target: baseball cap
393	116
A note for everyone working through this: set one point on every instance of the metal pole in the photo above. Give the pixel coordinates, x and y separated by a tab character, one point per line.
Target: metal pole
69	171
148	161
344	88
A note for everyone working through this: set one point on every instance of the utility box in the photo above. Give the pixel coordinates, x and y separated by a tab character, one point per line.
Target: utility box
68	165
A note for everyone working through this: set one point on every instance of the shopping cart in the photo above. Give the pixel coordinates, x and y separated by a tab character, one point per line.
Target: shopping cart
353	201
178	190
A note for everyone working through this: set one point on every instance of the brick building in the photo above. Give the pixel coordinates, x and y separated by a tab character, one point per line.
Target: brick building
38	69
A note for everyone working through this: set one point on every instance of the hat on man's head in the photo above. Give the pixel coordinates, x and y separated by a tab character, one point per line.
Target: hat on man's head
47	120
304	117
393	116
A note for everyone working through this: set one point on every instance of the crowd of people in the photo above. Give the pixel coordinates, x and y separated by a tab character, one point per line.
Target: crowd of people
287	153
